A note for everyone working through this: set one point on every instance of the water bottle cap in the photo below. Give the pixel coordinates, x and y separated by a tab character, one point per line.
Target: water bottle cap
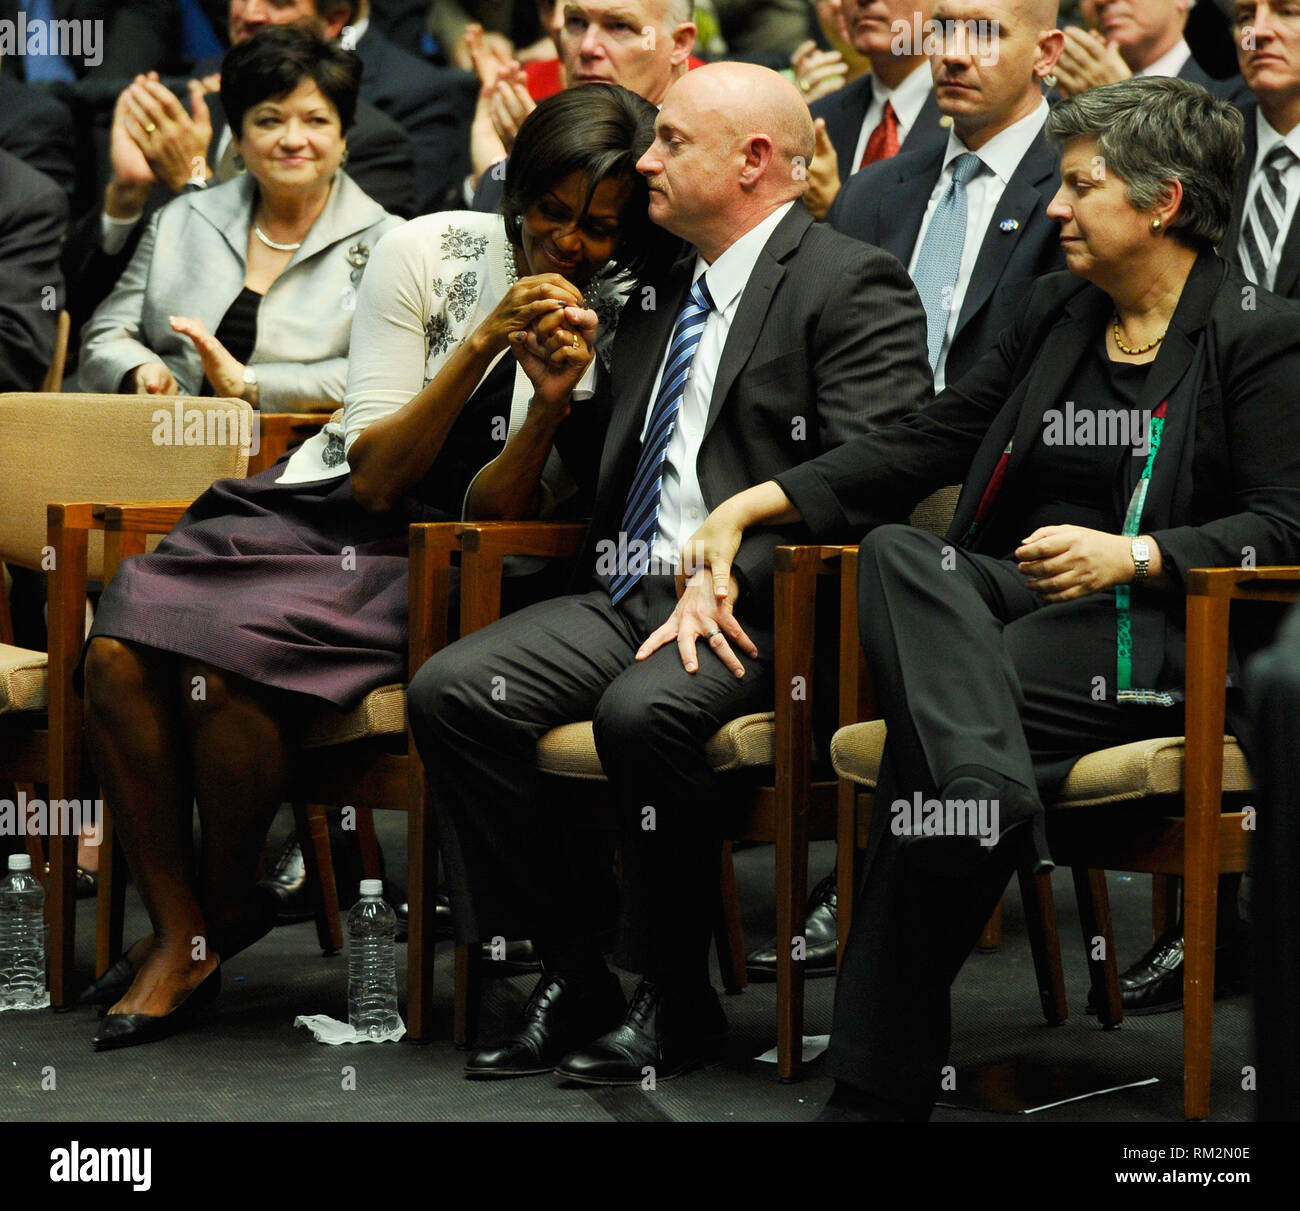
20	861
372	887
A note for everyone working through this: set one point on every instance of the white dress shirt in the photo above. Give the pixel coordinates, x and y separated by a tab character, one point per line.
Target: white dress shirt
1267	138
681	504
1171	62
908	99
1001	156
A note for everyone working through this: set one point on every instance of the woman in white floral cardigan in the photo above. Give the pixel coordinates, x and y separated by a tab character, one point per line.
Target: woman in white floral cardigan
294	582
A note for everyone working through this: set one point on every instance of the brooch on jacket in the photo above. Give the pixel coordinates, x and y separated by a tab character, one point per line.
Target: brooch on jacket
358	255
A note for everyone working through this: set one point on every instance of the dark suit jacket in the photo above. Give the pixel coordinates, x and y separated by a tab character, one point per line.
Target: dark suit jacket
1288	269
33	218
845	110
434	105
38	129
139	35
1226	482
1233	88
885	203
828	342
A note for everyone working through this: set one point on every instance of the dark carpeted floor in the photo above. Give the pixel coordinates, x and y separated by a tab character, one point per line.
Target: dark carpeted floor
245	1061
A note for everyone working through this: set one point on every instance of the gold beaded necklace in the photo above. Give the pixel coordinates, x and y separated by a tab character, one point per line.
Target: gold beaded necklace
1123	348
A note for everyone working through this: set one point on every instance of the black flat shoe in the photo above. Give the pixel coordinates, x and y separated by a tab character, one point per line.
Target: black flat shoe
820	933
664	1031
562	1013
133	1029
112	986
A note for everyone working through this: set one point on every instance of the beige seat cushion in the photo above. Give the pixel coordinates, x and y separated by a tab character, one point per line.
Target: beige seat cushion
381	712
23	679
570	750
1128	771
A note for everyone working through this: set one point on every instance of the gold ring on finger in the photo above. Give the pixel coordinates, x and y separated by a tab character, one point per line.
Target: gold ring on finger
149	128
576	343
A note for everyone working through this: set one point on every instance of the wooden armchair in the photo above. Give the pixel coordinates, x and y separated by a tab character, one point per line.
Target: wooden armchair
788	809
1181	780
78	448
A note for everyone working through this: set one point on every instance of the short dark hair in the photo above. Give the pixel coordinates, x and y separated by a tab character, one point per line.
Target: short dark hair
273	62
600	131
1154	129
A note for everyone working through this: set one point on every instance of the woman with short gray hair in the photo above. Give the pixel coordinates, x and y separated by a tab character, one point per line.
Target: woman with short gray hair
1135	423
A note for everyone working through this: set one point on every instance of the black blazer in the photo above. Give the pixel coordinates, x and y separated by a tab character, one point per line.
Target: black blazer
38	129
846	109
1225	485
434	105
1233	88
828	343
33	218
1288	269
885	203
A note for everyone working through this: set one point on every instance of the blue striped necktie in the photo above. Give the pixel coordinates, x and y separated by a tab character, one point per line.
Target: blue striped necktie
641	517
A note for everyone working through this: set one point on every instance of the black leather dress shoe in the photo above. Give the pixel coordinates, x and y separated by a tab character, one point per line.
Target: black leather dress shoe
562	1013
1154	984
819	932
663	1030
288	883
132	1029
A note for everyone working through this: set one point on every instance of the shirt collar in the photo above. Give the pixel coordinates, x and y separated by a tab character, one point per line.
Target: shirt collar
729	273
1267	138
1171	62
910	96
1004	151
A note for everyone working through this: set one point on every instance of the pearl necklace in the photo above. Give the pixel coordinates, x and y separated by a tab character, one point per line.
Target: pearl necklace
1123	348
270	243
512	278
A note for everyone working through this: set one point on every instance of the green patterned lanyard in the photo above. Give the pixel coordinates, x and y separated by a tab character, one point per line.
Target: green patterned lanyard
1132	527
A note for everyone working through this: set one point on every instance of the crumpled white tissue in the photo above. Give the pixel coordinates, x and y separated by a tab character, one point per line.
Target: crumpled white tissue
327	1030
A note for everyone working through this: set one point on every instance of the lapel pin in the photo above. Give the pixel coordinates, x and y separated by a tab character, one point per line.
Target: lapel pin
1009	224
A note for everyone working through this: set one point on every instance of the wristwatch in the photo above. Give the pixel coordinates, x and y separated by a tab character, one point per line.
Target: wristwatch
1141	559
250	386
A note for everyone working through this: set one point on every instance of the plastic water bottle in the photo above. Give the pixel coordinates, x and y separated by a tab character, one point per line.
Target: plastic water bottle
22	937
372	963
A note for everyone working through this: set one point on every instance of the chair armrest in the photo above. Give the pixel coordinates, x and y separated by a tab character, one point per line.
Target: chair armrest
142	517
431	547
277	431
1245	584
484	547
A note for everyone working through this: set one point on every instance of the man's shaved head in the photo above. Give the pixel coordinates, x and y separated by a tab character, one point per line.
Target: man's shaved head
732	143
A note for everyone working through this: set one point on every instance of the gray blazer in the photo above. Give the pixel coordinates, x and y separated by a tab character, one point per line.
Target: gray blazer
192	261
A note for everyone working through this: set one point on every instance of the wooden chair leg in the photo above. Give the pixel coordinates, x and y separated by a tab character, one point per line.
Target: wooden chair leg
1094	920
791	894
727	934
368	844
1164	903
1044	944
421	880
468	996
991	938
1200	911
314	837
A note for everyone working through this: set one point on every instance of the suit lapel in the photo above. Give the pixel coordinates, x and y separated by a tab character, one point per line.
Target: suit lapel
1030	188
755	299
907	196
926	125
844	122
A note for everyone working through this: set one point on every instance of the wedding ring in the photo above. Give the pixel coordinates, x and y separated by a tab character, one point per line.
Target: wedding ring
710	635
149	128
803	84
576	344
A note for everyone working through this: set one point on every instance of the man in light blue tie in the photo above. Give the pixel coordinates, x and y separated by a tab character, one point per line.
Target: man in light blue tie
774	339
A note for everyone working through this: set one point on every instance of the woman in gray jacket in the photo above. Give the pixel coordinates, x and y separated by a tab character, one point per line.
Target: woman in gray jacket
247	289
